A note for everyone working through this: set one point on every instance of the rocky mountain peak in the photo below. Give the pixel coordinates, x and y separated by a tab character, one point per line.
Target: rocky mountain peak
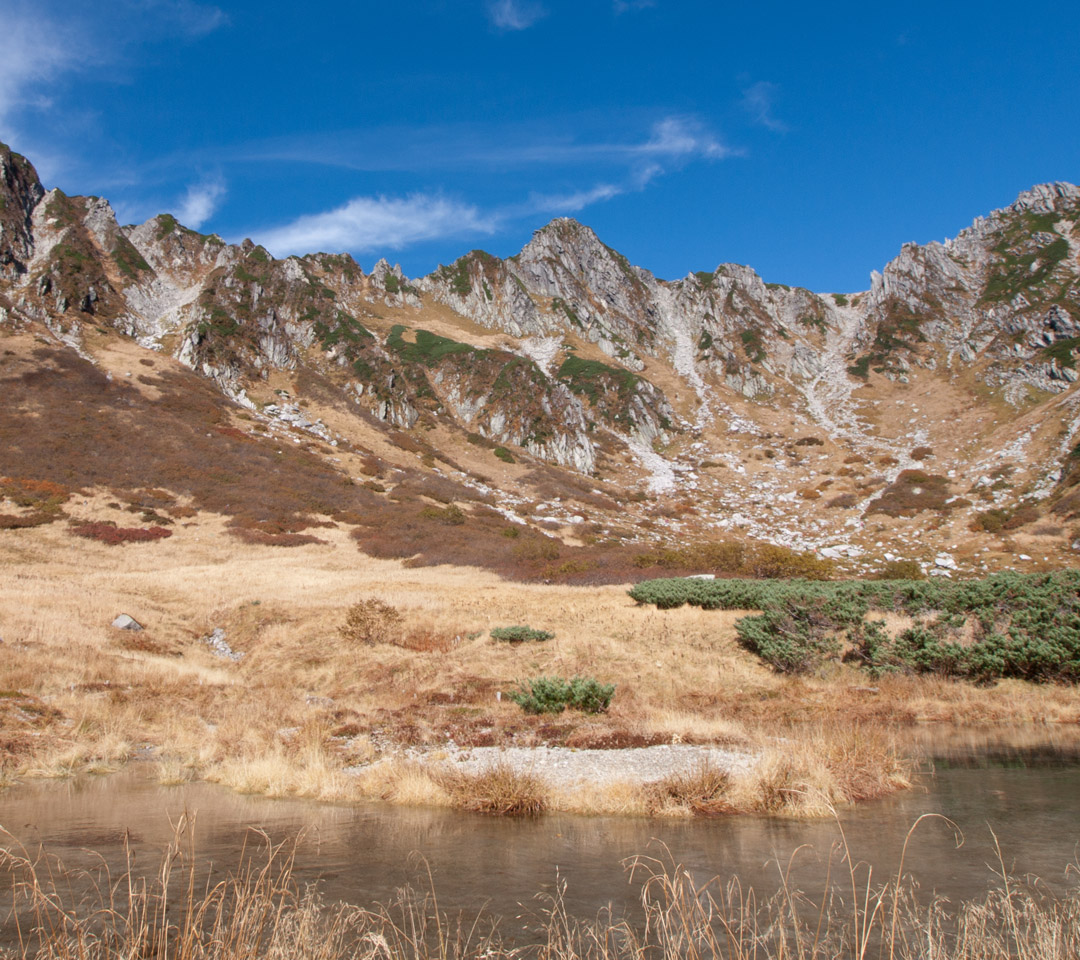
1045	197
20	192
382	269
576	249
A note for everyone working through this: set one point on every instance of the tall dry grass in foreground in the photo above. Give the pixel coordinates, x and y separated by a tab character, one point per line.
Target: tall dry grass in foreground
260	911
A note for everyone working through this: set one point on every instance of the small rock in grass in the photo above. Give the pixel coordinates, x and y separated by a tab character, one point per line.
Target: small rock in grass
218	646
124	622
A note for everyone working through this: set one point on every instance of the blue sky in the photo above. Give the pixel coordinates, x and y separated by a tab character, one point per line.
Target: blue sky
808	141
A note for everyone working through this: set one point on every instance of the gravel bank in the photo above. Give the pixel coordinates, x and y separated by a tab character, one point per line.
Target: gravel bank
563	766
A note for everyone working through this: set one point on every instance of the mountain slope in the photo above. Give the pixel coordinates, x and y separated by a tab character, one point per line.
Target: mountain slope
565	385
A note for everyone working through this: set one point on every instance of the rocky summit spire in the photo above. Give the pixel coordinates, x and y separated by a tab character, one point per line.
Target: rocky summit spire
20	191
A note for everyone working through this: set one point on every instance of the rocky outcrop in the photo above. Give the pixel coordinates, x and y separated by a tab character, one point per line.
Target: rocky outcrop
21	191
1004	290
510	400
485	289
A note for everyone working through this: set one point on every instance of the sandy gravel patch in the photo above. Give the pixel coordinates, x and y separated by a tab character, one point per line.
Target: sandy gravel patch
565	766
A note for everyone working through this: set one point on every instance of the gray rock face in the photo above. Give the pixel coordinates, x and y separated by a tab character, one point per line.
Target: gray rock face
488	291
22	192
392	285
220	648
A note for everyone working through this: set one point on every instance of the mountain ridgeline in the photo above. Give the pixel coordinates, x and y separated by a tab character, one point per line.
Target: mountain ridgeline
569	355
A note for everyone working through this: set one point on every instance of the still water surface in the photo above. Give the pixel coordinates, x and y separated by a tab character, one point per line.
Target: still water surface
1029	796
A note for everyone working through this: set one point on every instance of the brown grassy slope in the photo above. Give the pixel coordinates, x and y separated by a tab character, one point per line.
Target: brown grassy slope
137	421
67	421
304	702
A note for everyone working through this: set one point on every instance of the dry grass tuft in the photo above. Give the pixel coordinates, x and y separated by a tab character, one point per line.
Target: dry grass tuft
701	792
500	789
371	621
812	774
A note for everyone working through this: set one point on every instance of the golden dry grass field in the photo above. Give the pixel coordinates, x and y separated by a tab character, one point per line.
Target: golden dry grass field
306	711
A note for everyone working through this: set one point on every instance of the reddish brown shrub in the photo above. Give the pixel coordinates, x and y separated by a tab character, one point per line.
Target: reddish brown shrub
845	501
407	443
112	535
263	539
42	498
429	640
9	521
912	492
1023	515
233	433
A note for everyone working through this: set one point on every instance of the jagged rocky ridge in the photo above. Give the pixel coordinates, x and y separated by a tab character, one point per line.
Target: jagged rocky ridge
1004	289
234	313
579	335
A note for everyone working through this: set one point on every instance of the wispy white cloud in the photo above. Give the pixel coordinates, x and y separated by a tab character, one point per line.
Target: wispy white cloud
758	100
683	137
515	14
469	146
568	202
193	19
200	202
367	224
34	52
43	41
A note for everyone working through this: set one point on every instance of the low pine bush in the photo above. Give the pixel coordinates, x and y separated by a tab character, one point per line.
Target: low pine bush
554	694
1007	625
792	638
520	634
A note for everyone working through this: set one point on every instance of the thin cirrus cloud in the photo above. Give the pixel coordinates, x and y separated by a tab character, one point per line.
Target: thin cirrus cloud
569	202
758	101
672	139
366	224
33	54
683	137
191	18
41	42
46	42
515	14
